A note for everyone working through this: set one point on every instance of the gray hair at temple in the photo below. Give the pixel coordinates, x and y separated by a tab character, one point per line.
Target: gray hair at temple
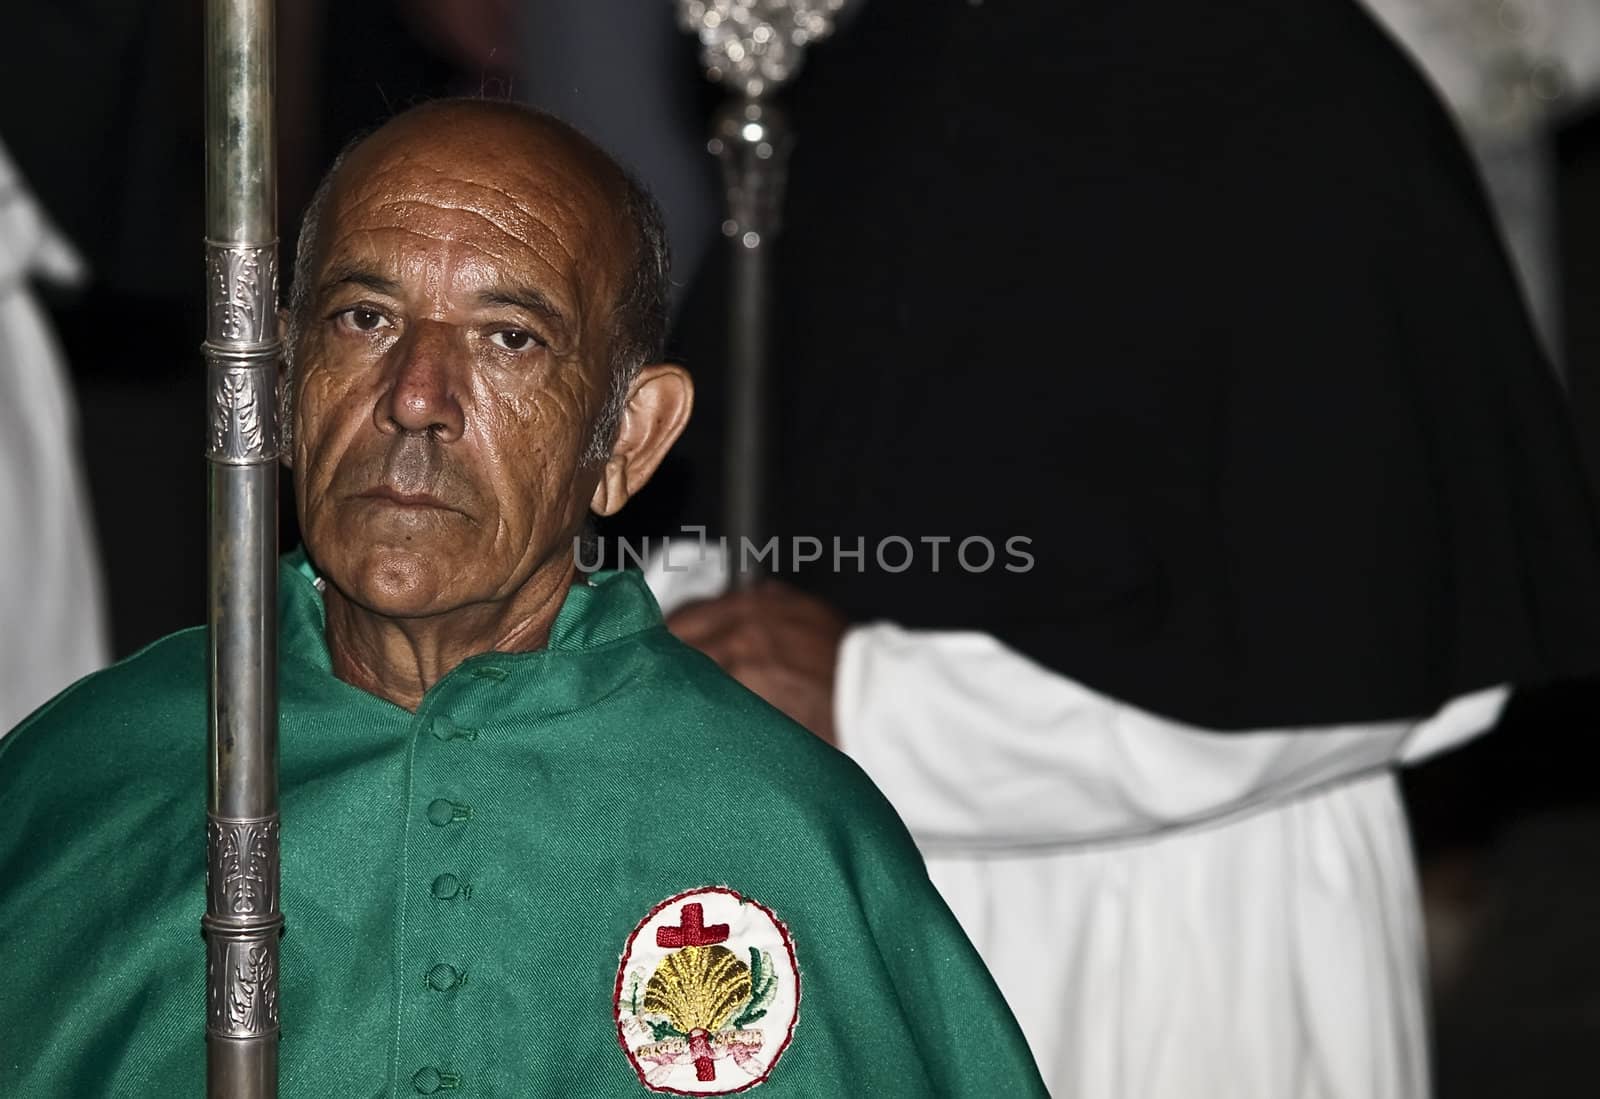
638	325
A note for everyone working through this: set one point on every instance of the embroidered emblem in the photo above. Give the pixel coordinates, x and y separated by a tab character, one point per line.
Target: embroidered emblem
708	994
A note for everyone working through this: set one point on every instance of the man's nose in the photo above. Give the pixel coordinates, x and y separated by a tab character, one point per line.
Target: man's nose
425	389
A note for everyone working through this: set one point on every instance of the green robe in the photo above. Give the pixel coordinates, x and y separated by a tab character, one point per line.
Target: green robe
460	883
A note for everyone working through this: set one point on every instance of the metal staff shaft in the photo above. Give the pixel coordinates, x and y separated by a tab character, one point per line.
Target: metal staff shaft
242	921
744	459
754	47
752	139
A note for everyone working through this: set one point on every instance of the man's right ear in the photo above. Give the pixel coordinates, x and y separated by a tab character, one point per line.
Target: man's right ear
659	403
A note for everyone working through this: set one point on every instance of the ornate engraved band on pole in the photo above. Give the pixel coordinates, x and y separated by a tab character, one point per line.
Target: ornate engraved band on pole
242	879
242	352
243	427
242	869
754	47
242	983
242	280
242	921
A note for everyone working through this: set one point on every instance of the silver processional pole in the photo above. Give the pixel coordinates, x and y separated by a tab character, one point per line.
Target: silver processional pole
242	922
754	47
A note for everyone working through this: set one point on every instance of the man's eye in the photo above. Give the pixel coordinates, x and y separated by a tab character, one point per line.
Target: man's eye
363	319
513	339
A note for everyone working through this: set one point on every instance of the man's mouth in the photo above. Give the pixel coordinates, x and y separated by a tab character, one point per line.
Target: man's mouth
405	499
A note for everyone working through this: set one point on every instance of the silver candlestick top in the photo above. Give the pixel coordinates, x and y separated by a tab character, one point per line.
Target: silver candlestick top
755	46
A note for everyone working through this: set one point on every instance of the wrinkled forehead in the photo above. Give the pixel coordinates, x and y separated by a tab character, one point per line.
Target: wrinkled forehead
530	201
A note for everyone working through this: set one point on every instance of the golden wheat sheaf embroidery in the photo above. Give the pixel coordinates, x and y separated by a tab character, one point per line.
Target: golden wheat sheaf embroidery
698	988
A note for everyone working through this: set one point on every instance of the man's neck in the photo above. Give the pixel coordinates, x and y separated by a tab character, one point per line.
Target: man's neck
400	659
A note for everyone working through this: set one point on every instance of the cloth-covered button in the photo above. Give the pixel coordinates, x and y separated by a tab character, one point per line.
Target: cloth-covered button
448	887
498	675
442	811
442	978
429	1080
445	729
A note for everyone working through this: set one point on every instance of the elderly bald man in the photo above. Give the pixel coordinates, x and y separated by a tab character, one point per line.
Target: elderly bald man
533	845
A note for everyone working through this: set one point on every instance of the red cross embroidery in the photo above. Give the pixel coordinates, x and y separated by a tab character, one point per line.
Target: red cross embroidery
693	931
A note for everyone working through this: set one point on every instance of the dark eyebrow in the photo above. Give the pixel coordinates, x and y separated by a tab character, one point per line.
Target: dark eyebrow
526	298
517	297
354	274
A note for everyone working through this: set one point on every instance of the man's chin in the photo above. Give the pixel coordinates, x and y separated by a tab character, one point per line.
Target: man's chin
396	582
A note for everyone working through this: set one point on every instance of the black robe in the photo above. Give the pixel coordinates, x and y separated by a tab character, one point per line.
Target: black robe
1206	301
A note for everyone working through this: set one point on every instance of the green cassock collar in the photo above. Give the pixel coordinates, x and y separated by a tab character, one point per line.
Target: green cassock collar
602	613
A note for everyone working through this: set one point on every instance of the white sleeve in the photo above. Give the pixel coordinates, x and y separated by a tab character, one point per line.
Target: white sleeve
980	749
680	572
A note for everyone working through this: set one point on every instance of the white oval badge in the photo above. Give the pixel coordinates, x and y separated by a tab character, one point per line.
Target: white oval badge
708	993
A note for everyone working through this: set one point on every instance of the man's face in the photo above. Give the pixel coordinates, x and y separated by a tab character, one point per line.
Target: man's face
453	361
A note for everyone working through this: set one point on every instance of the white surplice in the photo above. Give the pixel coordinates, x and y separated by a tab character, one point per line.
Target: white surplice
1172	913
50	590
